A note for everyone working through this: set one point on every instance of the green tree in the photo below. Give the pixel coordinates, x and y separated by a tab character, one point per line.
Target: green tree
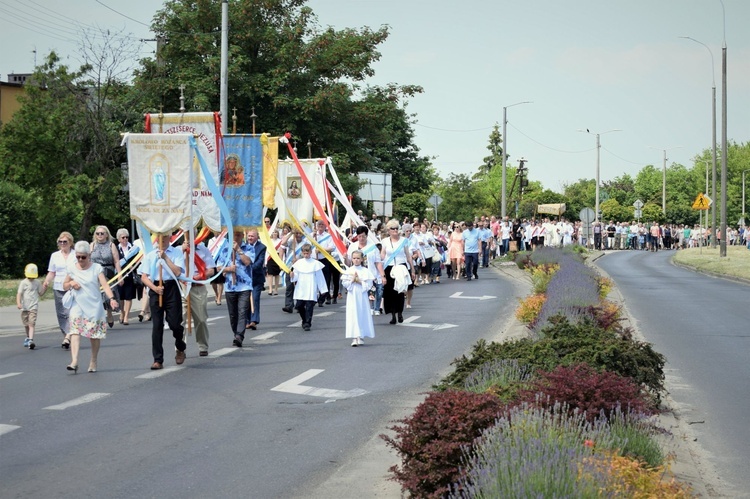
295	75
74	120
411	205
580	195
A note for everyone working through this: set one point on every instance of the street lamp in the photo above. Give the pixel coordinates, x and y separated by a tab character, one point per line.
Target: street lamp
664	178
723	247
598	147
713	137
504	203
744	220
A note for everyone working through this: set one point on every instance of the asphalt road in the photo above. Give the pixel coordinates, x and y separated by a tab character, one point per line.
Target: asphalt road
701	324
239	423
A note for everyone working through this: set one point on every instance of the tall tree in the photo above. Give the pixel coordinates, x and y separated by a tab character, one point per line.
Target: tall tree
295	75
64	141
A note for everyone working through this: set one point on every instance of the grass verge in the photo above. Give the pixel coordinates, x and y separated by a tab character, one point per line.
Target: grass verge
735	264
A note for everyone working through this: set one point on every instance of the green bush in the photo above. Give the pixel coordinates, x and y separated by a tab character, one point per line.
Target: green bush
565	344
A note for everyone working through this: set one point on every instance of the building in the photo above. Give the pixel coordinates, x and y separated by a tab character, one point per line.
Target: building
10	91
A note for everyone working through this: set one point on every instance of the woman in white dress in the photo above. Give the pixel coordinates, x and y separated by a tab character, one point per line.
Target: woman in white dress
358	280
87	316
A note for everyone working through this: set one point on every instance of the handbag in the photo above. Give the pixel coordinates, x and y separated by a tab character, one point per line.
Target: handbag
68	299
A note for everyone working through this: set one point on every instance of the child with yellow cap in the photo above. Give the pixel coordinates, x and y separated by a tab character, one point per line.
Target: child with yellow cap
27	300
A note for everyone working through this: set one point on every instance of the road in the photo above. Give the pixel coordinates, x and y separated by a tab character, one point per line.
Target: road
235	423
700	324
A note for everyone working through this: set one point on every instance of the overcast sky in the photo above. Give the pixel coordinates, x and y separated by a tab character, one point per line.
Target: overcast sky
585	64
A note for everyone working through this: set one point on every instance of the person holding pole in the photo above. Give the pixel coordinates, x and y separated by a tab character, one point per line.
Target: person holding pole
159	271
205	267
238	284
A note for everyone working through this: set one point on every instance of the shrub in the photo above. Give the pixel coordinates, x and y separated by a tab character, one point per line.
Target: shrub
629	478
566	344
430	441
502	378
529	309
535	452
605	285
541	276
597	394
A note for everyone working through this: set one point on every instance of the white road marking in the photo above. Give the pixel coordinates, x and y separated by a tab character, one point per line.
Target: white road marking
159	372
409	322
294	386
210	319
89	397
458	294
7	428
9	375
265	336
222	351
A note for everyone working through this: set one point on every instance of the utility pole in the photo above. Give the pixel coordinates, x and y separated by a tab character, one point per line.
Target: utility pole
224	91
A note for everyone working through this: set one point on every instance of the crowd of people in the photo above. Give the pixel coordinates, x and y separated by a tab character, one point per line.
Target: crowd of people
384	262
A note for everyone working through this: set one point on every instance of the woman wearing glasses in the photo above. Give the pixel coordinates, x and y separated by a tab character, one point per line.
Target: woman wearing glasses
56	272
396	255
104	252
126	290
86	314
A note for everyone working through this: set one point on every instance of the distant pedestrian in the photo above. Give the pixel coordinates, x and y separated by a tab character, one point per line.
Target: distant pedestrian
27	300
309	280
358	280
56	272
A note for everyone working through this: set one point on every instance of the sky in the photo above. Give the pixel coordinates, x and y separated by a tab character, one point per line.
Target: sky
614	67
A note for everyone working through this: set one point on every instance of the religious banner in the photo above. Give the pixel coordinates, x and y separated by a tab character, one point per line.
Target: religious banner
292	195
241	178
270	168
160	176
206	127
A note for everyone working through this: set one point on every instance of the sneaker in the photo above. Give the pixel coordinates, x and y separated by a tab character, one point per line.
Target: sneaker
360	341
31	345
26	343
377	312
408	306
354	342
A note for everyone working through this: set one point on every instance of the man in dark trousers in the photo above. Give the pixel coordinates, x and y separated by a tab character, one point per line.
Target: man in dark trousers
258	273
159	272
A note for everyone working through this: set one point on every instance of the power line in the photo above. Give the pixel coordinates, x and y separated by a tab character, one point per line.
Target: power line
641	163
121	14
548	147
456	131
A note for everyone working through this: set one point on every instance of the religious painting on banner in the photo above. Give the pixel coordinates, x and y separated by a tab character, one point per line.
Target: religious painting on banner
206	128
241	180
292	195
160	176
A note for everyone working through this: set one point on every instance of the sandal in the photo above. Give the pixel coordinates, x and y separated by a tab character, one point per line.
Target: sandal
140	317
66	344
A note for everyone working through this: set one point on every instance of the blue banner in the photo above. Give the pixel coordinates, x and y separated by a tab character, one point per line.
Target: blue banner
241	177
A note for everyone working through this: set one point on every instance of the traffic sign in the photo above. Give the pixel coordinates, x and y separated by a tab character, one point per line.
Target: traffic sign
637	214
435	200
587	215
702	202
638	204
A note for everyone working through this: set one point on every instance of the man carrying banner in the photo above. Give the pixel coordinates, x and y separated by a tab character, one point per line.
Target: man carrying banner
205	267
159	272
238	285
257	251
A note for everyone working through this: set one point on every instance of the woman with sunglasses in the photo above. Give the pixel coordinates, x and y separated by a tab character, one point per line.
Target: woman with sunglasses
104	252
56	272
86	314
127	289
396	253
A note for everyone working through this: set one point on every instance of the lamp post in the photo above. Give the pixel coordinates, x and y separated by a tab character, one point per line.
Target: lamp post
664	178
713	135
744	220
504	201
723	246
598	147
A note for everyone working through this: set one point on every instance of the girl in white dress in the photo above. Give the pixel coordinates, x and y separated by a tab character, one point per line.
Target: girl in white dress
358	280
